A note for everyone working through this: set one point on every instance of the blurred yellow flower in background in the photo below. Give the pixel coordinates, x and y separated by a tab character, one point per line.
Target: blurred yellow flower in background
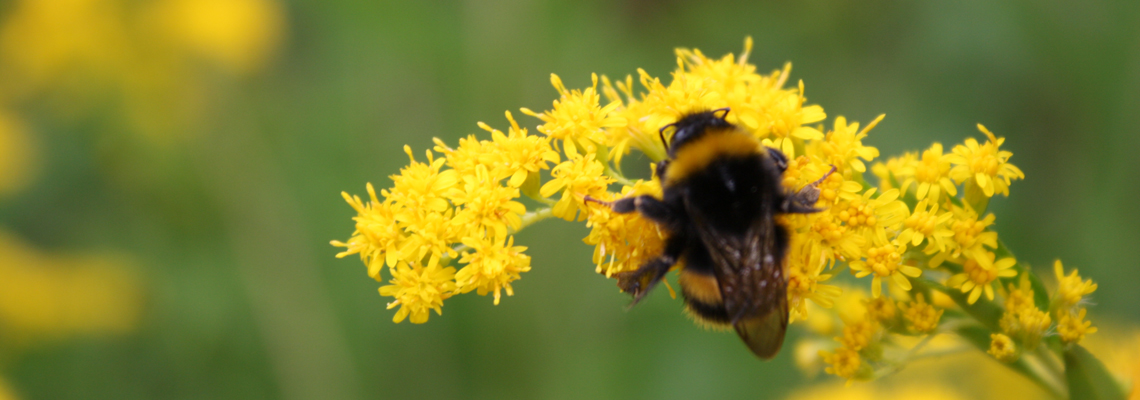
17	155
237	35
49	297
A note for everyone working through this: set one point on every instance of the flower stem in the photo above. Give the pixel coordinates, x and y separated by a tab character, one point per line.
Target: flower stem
530	218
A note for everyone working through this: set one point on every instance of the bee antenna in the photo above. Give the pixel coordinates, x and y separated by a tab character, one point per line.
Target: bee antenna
723	116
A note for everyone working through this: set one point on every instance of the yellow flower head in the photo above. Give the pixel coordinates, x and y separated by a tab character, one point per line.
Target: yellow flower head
931	172
422	186
377	237
1070	289
843	146
1073	327
925	223
987	164
518	154
577	118
885	262
576	178
882	309
491	267
844	363
969	233
488	208
873	216
805	279
898	168
418	290
623	242
978	273
1002	348
920	316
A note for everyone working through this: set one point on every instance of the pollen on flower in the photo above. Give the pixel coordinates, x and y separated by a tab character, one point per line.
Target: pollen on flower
1073	327
873	216
1002	348
920	316
418	290
986	164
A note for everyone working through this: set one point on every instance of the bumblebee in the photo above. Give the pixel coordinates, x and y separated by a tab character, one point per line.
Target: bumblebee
721	194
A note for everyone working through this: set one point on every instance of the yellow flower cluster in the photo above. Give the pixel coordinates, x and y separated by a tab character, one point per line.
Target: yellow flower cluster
1068	304
461	207
445	227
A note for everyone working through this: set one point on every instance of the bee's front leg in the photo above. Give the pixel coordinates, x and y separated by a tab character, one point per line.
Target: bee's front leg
803	201
648	206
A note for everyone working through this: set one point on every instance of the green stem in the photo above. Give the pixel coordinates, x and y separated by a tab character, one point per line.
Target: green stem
530	218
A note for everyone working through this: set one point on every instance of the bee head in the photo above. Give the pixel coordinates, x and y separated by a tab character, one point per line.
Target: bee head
692	126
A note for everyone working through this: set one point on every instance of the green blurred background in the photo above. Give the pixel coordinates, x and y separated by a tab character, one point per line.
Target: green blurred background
188	155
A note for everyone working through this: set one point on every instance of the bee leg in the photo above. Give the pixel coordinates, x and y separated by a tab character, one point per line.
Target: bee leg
803	201
649	207
638	283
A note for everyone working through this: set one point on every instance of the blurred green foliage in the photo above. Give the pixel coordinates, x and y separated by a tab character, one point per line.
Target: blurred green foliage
228	210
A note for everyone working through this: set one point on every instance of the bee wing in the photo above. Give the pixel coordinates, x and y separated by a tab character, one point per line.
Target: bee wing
750	273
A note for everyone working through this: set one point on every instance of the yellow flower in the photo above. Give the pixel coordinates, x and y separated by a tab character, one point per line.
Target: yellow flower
931	172
927	224
873	216
576	178
422	187
471	153
1070	289
897	168
519	154
882	309
377	237
885	262
782	131
1002	348
920	316
844	363
987	164
979	272
491	267
418	290
969	233
843	146
1022	319
623	242
577	118
805	279
1073	328
488	207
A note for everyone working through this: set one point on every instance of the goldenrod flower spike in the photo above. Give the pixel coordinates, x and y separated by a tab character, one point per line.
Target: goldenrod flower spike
447	224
